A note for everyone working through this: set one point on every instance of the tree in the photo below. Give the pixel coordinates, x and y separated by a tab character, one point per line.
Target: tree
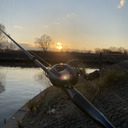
2	36
44	42
97	50
4	44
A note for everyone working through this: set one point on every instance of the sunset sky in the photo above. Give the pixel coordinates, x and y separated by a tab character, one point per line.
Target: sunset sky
77	24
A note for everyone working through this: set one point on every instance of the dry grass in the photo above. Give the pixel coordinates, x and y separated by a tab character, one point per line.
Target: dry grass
20	124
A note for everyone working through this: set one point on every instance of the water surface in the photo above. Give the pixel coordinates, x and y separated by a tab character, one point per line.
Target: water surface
17	86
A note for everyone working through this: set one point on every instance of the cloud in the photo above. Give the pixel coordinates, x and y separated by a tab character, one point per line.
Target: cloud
121	3
18	27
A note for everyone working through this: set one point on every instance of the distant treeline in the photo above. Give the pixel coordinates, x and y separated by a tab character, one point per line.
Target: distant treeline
9	46
112	50
60	57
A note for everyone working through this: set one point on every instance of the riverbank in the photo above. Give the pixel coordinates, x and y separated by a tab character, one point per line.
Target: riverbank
18	57
111	101
53	109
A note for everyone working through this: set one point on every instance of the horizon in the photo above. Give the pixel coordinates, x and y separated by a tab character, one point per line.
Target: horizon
83	25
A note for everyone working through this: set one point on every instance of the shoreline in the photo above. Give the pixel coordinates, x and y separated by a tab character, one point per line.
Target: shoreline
19	115
110	100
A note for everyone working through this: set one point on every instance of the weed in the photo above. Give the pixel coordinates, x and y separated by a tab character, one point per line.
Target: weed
20	124
110	78
33	104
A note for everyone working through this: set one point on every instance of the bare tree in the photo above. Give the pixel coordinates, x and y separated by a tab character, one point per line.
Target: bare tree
2	36
4	44
44	42
97	50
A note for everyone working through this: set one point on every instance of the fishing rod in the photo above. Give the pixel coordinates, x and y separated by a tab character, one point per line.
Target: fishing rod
38	57
64	76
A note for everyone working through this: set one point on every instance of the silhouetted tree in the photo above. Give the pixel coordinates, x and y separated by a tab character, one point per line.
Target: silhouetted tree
2	36
4	44
97	50
112	50
44	42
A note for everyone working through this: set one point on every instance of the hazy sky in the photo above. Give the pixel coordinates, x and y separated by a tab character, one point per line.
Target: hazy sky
78	24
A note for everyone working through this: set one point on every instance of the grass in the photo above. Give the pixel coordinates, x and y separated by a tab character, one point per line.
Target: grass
20	124
32	105
88	88
111	78
47	99
55	98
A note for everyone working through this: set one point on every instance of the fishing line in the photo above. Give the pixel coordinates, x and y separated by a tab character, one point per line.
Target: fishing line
40	58
12	12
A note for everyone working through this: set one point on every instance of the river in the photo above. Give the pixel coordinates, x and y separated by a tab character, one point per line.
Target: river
17	86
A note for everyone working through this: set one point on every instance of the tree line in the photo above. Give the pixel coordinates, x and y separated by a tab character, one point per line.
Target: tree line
112	50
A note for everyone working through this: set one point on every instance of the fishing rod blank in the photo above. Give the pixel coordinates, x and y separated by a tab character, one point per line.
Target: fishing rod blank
64	76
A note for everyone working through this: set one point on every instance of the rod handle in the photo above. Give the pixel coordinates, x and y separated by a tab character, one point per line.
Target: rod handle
80	101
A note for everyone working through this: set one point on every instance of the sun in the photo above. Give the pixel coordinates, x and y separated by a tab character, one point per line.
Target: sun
59	46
